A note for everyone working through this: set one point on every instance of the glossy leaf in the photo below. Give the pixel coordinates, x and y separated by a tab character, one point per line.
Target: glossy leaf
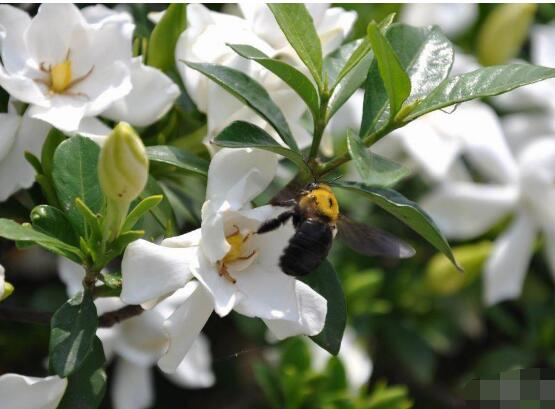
325	281
75	174
395	80
163	212
296	23
181	159
72	332
138	211
374	169
242	134
53	222
424	53
25	233
251	93
289	74
406	211
484	82
161	46
87	386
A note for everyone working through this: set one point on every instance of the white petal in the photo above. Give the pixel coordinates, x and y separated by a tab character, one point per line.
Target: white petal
549	236
23	88
506	267
453	18
108	337
189	239
71	274
13	23
100	14
8	131
542	40
334	27
2	279
466	210
65	112
25	392
94	128
150	271
195	371
15	172
241	173
133	386
151	97
185	324
312	309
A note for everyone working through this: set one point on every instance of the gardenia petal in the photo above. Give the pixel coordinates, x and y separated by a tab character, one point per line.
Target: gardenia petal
506	266
453	18
185	324
152	95
25	392
549	236
15	172
133	386
465	210
195	371
150	271
13	23
71	274
2	280
95	129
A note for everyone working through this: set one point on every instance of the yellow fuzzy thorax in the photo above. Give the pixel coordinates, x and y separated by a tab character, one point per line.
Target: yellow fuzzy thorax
60	76
322	201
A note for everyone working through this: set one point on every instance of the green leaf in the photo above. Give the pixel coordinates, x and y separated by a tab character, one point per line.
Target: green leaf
484	82
289	74
138	211
269	383
72	331
325	281
406	211
75	175
424	53
296	23
161	46
374	169
53	222
396	81
250	92
54	138
181	159
163	213
87	386
25	233
242	134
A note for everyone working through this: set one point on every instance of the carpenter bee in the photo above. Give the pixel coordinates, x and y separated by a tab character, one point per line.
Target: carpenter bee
316	217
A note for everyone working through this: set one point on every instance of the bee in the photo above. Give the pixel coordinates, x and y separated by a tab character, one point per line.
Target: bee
314	211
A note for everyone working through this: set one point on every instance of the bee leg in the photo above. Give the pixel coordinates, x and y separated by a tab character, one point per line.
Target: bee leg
273	224
222	271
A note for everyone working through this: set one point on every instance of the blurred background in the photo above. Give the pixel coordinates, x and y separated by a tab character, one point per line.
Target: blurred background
418	330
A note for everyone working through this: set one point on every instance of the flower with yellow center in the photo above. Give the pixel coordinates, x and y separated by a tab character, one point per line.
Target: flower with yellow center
237	242
60	76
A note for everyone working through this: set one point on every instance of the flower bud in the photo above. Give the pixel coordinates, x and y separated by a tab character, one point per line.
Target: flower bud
123	165
6	289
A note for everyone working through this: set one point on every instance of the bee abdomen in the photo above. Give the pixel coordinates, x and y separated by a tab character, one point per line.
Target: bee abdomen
308	247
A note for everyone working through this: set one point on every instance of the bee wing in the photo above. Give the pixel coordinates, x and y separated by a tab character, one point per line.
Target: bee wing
371	241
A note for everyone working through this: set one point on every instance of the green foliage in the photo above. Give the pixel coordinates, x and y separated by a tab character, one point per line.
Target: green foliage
325	281
161	46
72	333
53	222
178	158
296	23
251	93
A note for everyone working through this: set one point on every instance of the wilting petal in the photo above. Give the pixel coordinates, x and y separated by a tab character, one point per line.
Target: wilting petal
25	392
195	371
506	267
466	210
151	97
150	271
312	308
185	324
133	386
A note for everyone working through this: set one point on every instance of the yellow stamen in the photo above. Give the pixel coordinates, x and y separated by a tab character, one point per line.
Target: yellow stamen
60	76
236	242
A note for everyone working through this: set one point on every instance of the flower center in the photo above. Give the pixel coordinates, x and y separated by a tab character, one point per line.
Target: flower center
60	76
237	252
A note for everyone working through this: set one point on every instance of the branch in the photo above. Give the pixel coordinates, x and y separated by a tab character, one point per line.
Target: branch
27	316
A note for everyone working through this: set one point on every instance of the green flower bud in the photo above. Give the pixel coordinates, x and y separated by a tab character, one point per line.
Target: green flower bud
443	278
123	165
7	291
503	32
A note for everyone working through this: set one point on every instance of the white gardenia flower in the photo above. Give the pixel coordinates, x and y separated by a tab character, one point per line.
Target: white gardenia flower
138	343
205	40
18	134
358	365
224	265
26	392
80	68
465	209
452	18
2	280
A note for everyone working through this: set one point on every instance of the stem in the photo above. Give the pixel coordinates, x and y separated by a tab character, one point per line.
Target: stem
109	319
319	126
346	157
115	217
